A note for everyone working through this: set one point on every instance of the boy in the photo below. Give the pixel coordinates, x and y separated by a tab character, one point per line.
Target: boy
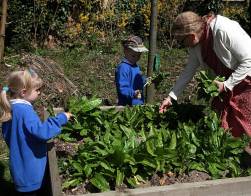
128	76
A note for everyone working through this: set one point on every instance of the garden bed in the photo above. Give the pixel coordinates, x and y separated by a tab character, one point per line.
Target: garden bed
172	177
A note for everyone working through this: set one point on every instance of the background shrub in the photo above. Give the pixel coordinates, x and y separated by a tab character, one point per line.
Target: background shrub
70	22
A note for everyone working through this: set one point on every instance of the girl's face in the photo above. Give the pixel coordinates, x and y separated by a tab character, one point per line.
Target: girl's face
30	95
132	56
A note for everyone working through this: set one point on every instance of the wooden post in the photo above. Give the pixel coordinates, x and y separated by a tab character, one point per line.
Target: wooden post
54	179
152	46
2	30
55	182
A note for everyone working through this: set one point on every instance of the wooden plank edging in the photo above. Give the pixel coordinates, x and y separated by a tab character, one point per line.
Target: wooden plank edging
55	182
221	187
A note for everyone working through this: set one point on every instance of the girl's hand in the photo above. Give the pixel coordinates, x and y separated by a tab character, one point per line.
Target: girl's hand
220	86
68	115
165	104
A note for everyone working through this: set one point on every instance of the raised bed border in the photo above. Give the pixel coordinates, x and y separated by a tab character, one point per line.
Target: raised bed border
240	186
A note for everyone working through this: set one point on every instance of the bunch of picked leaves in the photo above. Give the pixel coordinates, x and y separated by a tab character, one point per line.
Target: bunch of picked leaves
207	88
156	79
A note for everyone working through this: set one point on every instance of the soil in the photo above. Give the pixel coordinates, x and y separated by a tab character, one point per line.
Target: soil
63	149
156	180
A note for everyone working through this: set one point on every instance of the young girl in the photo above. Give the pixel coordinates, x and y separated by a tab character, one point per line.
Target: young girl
24	132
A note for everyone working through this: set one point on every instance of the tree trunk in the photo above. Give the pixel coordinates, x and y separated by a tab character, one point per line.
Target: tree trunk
150	90
2	28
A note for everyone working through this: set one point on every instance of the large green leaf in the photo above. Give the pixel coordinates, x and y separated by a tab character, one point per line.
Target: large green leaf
150	146
107	166
71	183
173	141
100	182
87	170
148	162
90	105
119	178
197	166
77	166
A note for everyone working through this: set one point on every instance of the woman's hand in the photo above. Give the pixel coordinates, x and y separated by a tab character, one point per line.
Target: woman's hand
220	86
165	104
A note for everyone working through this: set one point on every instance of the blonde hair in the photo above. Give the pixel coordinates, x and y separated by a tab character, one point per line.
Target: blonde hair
186	23
17	81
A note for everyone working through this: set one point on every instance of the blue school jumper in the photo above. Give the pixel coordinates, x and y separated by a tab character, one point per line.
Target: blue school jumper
26	138
128	78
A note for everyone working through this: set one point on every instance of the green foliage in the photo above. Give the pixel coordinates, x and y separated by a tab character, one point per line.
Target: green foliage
33	21
128	147
207	88
207	6
84	110
5	176
214	5
156	79
239	13
4	160
70	22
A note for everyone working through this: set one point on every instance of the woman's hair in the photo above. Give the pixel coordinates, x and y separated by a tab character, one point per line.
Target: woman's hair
16	82
186	23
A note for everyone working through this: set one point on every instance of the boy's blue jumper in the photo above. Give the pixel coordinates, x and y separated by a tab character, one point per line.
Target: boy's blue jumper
128	78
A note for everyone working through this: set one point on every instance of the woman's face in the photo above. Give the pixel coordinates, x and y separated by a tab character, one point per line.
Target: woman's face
132	56
190	40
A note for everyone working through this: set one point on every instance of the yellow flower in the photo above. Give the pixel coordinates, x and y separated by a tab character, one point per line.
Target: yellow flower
78	27
83	18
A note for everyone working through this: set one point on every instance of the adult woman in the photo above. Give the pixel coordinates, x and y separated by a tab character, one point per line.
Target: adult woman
221	44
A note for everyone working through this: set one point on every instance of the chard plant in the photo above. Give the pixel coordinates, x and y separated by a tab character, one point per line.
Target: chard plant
126	148
207	88
156	79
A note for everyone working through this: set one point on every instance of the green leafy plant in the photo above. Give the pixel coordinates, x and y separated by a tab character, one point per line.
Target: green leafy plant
126	148
156	79
207	88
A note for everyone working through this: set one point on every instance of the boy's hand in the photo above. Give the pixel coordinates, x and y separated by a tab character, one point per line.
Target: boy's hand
138	94
68	115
